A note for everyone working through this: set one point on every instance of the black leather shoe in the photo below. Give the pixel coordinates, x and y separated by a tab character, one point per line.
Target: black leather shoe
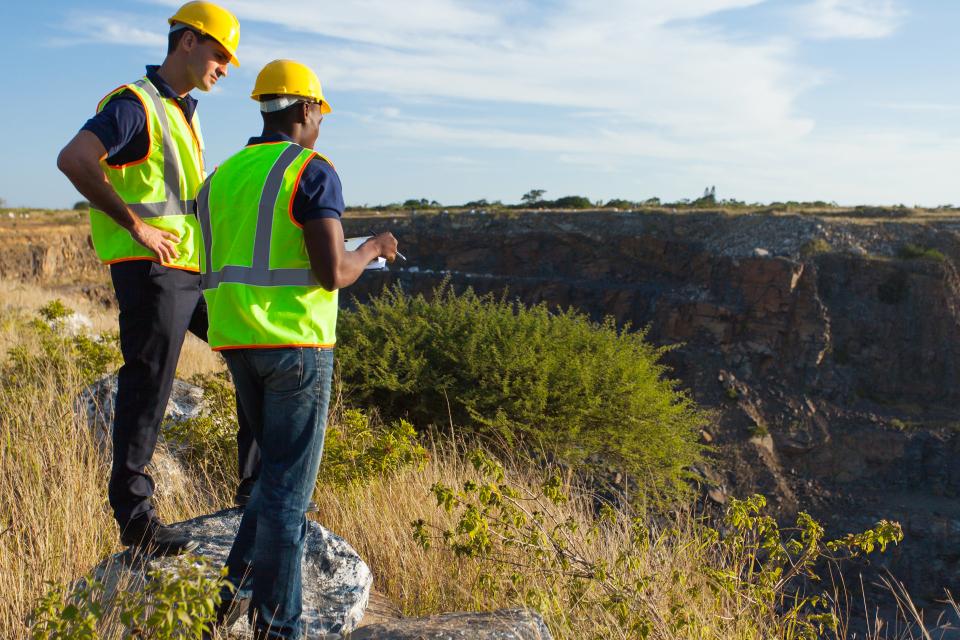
244	490
151	536
229	611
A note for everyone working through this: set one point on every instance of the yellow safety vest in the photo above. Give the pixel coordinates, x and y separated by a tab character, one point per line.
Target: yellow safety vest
160	187
255	271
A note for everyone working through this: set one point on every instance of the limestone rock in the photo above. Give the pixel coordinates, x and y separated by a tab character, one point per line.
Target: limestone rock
336	582
506	624
98	400
72	325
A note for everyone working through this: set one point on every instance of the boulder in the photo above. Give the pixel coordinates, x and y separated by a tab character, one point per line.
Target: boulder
97	402
336	582
506	624
72	325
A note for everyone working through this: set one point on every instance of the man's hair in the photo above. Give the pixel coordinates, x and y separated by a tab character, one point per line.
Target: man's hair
173	39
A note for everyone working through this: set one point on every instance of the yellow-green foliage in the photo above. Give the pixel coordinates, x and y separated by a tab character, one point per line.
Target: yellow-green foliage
357	449
814	247
209	441
70	355
579	390
178	603
55	521
533	552
916	252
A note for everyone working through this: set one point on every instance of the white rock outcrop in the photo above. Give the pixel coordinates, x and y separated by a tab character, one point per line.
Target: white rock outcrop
336	582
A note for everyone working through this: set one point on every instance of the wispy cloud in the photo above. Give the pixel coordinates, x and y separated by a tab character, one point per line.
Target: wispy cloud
107	28
851	18
922	107
625	61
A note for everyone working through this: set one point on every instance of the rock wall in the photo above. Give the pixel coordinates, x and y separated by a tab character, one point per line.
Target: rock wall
48	247
832	362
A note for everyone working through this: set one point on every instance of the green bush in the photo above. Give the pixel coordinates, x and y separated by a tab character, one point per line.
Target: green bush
814	246
209	440
916	252
582	392
356	448
572	202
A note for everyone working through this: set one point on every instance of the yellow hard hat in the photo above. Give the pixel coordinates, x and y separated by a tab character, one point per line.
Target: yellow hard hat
214	21
289	78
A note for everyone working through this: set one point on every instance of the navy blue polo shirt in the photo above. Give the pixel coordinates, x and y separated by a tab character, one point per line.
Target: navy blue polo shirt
121	126
319	194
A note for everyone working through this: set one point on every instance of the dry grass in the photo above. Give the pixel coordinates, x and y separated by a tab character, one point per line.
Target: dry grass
377	518
55	522
55	517
21	300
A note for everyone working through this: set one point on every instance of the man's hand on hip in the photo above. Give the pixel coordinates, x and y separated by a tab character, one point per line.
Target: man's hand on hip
161	242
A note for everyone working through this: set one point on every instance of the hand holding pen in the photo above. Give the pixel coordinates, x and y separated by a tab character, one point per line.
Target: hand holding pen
399	255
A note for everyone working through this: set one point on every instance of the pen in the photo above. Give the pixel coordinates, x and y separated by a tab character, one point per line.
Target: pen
399	255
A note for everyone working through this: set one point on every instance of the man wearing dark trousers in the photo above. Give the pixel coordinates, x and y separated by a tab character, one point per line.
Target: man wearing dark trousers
139	161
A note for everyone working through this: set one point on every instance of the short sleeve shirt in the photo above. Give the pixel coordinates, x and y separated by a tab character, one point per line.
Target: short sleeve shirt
319	194
121	126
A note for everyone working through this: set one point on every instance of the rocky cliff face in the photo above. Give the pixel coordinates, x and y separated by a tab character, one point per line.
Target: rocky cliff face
831	357
833	363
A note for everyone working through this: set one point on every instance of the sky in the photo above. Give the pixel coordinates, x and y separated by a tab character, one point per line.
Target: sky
852	101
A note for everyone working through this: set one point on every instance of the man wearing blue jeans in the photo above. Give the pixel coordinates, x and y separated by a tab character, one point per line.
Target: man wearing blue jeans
272	260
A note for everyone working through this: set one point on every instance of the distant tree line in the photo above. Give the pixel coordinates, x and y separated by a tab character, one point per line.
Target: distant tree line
534	199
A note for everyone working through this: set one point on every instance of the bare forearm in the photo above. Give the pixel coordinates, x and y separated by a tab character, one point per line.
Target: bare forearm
79	161
352	263
335	267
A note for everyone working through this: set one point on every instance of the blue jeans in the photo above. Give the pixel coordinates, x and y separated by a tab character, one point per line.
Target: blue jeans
285	393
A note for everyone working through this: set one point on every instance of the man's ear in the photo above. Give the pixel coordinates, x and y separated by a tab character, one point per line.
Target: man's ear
188	41
303	113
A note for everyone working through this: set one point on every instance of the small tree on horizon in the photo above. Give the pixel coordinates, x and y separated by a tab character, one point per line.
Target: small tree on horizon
533	196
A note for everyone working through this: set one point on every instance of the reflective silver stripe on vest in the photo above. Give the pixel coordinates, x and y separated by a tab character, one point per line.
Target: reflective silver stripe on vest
259	274
203	215
161	209
174	205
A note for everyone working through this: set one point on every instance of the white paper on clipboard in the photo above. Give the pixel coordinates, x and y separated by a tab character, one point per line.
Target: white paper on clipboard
353	243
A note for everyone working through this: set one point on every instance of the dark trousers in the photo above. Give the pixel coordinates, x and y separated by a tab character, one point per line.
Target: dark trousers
158	306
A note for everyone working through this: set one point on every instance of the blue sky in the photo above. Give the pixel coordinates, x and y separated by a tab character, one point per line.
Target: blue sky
856	101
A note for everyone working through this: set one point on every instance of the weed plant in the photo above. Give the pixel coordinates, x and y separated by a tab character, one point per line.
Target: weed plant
601	575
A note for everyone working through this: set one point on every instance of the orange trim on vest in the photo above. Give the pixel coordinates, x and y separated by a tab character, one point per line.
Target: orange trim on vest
146	115
274	346
157	260
193	134
296	187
